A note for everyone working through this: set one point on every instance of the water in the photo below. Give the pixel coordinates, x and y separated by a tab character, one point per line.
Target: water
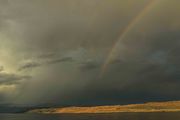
116	116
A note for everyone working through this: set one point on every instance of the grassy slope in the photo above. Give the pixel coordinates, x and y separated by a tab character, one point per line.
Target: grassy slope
172	106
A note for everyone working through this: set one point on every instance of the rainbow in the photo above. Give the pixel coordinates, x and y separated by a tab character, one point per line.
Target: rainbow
125	32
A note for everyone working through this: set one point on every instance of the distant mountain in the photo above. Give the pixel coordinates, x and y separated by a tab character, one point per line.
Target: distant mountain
11	108
171	106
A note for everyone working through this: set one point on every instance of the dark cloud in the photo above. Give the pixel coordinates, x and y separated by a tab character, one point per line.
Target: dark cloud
29	65
60	60
89	65
43	61
34	64
8	79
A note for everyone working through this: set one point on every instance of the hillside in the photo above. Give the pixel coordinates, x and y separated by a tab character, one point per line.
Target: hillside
172	106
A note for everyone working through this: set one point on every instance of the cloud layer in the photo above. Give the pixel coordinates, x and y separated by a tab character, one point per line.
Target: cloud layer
52	52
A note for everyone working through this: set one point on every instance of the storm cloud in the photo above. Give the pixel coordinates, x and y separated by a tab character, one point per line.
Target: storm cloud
53	51
8	79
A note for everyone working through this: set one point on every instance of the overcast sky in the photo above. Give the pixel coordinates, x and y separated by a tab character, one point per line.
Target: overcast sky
52	51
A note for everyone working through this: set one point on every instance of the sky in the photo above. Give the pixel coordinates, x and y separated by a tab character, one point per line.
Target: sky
53	51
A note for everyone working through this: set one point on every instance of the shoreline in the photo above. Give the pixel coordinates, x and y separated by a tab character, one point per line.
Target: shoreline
171	106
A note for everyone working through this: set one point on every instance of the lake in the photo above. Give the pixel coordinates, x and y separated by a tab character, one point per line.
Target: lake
114	116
